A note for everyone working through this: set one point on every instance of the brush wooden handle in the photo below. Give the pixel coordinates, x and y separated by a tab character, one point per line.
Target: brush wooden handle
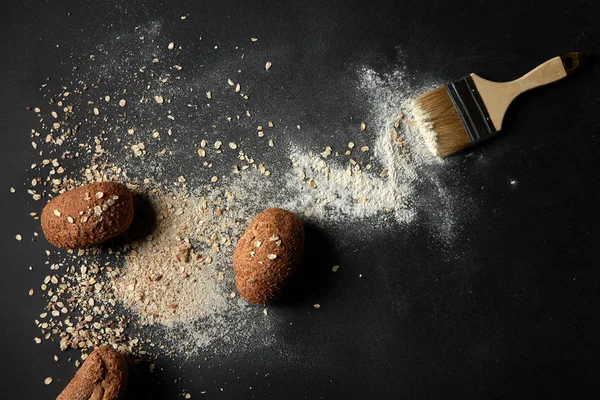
497	96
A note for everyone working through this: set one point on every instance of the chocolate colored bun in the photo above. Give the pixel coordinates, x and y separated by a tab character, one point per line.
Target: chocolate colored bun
88	215
268	254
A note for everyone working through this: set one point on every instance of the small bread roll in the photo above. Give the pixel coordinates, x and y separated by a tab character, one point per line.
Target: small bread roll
103	376
268	254
88	215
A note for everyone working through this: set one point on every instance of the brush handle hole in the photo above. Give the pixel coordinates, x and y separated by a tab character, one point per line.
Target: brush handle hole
571	61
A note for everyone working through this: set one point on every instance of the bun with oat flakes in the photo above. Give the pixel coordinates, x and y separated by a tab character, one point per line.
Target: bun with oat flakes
88	215
268	254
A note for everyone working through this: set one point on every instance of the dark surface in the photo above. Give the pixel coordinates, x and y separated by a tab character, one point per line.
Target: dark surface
509	310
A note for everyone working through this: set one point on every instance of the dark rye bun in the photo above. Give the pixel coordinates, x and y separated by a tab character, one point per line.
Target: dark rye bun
88	215
103	376
268	254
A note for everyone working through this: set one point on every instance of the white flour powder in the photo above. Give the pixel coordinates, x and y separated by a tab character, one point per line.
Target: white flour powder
331	185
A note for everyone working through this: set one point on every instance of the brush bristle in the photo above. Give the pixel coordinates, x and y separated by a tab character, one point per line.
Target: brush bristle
439	110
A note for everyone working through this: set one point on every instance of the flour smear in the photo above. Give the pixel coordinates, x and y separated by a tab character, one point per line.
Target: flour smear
401	180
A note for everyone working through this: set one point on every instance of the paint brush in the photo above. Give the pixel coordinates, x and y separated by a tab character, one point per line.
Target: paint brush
471	109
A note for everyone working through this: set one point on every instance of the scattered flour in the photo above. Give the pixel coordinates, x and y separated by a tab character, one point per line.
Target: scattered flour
333	186
180	278
175	284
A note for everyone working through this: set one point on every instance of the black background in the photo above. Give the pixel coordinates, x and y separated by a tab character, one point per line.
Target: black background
510	310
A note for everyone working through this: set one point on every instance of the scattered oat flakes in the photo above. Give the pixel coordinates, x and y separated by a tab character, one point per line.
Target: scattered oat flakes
48	381
271	256
335	268
363	126
122	102
159	99
19	237
171	46
317	306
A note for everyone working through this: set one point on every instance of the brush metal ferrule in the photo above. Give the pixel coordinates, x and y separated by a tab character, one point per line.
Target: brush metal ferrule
471	109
